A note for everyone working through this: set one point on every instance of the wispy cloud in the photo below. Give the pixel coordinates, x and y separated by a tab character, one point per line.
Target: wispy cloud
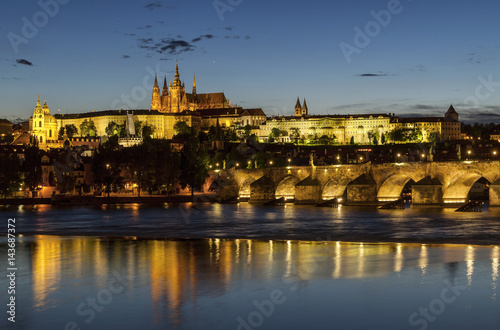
205	36
166	45
24	62
153	5
125	56
372	75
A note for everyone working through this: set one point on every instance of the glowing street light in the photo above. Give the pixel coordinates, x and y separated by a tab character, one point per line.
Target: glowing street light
237	164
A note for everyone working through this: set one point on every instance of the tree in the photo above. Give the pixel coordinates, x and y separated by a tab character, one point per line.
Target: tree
138	128
71	131
383	139
87	128
140	167
194	164
352	142
295	134
182	130
147	132
275	134
32	168
66	183
106	170
10	178
113	129
324	140
247	131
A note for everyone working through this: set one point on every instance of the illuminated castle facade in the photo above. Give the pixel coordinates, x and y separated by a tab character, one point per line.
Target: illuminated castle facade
174	99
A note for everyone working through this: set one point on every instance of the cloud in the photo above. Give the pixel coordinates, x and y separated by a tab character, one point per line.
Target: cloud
166	45
231	37
125	56
144	27
153	5
372	74
24	62
229	28
247	37
205	36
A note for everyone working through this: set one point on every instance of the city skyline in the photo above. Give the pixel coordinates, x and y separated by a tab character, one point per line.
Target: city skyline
407	57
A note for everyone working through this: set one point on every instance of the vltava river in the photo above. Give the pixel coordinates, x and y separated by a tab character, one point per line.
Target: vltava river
252	267
97	283
260	222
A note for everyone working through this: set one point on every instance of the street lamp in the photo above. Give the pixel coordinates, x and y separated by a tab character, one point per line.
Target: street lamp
237	164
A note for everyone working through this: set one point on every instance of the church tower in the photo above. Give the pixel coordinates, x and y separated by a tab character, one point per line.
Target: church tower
194	85
451	114
304	108
298	108
176	92
43	124
155	97
164	95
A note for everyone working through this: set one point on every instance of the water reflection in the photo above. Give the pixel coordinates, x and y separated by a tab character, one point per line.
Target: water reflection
178	273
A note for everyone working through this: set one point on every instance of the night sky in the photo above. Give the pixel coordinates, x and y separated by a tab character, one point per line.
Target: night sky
411	57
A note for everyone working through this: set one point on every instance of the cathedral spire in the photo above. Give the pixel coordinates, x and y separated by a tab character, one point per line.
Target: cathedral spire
165	87
156	82
38	102
194	84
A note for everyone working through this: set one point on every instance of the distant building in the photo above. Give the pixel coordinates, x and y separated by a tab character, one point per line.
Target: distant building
5	126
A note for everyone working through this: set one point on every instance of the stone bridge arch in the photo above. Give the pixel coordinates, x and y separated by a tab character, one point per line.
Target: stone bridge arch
244	187
460	185
336	188
286	187
392	187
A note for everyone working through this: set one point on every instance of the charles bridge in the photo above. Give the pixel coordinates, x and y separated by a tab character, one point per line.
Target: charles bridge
432	183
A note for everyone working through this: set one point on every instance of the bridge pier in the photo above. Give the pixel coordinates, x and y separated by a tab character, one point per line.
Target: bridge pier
262	190
308	191
427	192
362	190
495	194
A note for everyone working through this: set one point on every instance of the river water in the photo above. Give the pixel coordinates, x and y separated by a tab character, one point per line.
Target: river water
252	267
261	222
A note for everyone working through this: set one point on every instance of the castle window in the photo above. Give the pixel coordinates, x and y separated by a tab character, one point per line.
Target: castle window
40	123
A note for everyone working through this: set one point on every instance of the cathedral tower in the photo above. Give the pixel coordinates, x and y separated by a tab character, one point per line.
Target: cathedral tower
155	97
298	108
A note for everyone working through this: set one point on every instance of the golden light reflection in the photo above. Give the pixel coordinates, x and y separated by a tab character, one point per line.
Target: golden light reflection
249	253
237	242
361	261
271	251
495	260
46	270
338	261
288	258
423	260
469	257
398	262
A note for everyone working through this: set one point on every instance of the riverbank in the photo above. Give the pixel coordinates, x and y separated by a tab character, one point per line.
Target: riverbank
98	200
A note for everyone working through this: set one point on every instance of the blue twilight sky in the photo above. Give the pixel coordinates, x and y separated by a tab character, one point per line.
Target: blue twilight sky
416	57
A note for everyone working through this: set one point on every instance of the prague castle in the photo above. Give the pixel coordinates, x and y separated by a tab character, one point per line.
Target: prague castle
174	99
201	111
